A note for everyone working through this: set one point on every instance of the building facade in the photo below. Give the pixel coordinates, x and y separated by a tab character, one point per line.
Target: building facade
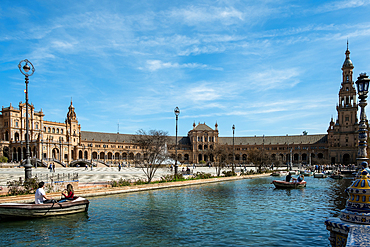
66	144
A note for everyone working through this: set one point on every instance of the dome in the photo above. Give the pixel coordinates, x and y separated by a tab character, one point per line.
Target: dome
358	204
348	63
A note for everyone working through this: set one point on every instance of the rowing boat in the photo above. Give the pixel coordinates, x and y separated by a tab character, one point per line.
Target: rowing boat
288	185
32	210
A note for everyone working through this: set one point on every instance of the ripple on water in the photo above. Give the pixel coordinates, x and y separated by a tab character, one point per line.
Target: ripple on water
247	212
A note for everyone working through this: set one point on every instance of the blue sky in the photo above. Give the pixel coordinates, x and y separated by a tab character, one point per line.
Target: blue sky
271	67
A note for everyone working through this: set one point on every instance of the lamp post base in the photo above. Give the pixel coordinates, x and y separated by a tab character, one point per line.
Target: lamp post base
27	170
176	169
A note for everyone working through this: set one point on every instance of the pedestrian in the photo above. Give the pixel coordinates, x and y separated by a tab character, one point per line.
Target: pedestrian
53	167
119	167
85	166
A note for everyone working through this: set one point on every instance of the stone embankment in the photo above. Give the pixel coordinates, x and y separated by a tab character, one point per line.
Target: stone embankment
94	191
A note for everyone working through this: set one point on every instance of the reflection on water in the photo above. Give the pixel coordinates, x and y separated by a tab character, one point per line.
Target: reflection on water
247	212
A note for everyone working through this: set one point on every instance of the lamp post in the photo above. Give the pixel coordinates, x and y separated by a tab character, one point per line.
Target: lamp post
362	90
27	71
177	113
232	167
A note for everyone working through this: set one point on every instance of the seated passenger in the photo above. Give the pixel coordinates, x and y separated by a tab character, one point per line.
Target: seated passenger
40	195
69	192
300	179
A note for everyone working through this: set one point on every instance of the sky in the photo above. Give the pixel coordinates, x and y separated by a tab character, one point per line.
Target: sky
269	67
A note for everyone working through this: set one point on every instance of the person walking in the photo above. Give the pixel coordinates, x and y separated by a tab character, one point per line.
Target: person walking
119	167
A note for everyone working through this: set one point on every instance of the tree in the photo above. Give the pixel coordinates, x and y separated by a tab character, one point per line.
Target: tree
152	144
258	158
220	154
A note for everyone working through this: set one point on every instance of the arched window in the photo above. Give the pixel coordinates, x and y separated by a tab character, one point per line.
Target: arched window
53	130
49	130
57	131
61	131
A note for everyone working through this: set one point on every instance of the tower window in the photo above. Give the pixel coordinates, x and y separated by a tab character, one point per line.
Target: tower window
347	78
347	118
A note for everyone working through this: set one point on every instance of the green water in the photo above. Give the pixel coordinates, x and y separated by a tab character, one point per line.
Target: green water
247	212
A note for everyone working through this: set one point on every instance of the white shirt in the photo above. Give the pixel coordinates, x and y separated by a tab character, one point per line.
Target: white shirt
39	196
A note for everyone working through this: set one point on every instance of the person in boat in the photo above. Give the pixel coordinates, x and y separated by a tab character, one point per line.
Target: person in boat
69	192
288	177
298	179
40	195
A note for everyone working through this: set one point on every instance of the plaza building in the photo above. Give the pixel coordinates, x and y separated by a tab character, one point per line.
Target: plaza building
66	144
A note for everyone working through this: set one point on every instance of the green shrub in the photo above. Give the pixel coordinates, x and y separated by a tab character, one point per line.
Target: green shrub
202	175
19	187
172	178
140	181
3	159
120	183
229	173
202	162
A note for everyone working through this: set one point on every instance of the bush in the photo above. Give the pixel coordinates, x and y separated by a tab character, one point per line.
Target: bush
19	187
3	159
140	181
121	182
202	162
172	178
202	175
229	173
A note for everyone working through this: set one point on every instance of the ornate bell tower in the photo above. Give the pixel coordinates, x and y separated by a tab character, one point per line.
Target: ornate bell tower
73	130
342	137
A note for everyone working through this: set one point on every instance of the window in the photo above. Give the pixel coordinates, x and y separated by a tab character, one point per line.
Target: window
347	118
49	130
53	130
16	124
57	131
347	78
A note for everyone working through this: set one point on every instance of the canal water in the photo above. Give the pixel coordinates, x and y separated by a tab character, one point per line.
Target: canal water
247	212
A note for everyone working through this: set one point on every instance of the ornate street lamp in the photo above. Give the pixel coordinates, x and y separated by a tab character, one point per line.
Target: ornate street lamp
177	113
25	70
362	90
232	167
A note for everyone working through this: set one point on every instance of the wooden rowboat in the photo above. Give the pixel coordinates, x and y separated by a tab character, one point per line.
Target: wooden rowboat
31	210
319	175
336	176
288	185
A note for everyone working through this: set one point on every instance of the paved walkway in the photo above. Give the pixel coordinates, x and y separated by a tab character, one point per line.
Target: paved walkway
97	175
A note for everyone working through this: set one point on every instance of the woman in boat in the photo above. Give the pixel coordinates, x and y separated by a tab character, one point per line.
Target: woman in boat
69	192
40	195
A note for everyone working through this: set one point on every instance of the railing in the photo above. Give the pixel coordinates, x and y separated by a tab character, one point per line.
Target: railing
52	178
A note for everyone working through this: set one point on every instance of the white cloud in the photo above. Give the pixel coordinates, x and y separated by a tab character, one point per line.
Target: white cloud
154	65
273	78
337	5
194	15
